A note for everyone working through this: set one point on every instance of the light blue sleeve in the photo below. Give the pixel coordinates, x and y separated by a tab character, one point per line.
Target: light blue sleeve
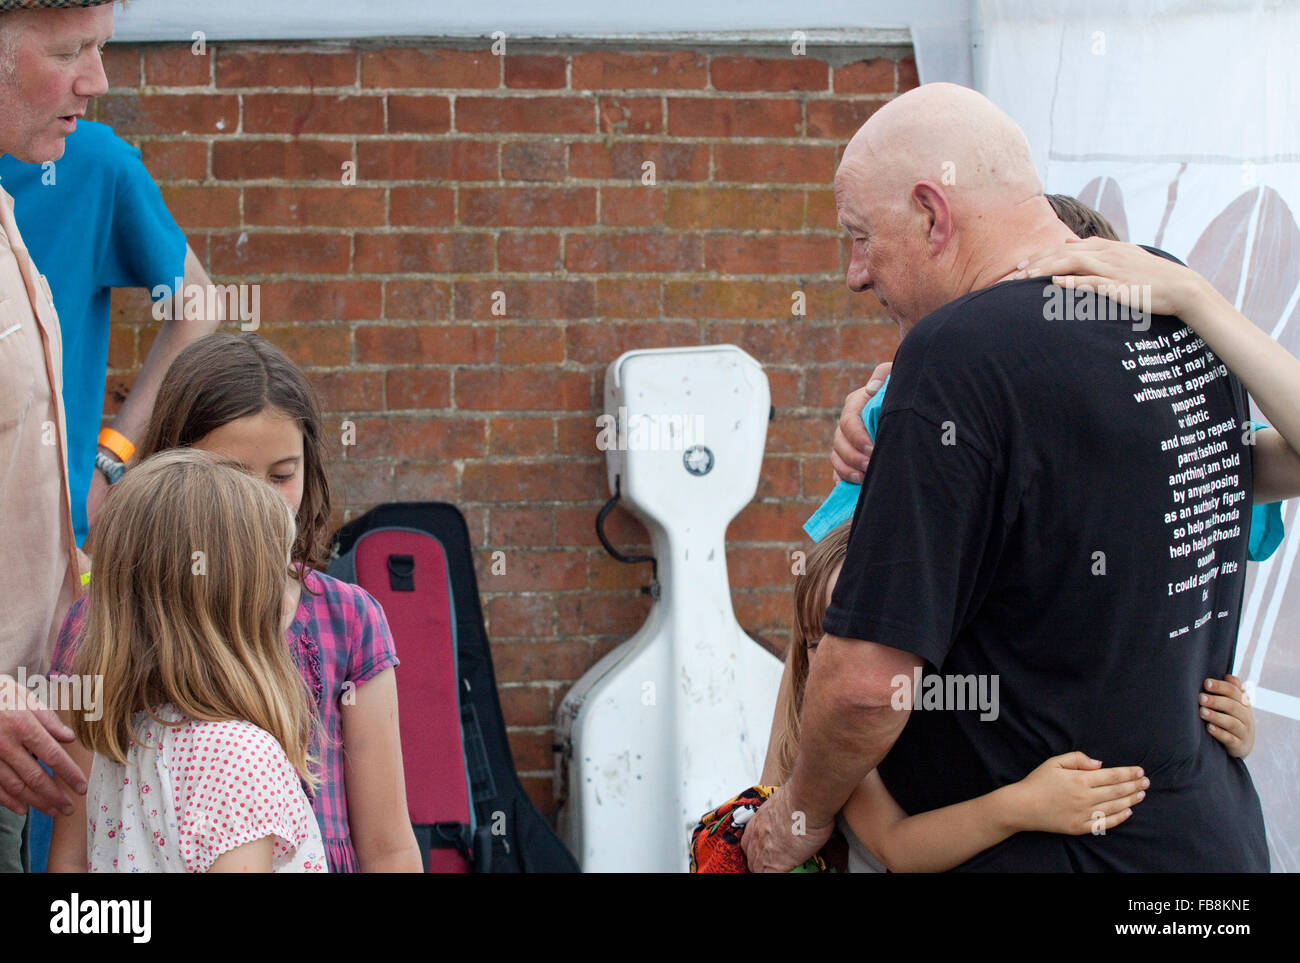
843	499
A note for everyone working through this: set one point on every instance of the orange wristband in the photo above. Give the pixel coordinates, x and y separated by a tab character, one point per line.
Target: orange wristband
117	443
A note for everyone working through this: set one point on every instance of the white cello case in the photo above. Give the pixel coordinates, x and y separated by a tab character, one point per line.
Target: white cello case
675	720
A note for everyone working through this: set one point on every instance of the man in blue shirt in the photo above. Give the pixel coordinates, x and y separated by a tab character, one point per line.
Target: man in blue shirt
95	220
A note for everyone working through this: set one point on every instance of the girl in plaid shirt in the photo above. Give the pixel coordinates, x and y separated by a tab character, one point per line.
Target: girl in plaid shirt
241	397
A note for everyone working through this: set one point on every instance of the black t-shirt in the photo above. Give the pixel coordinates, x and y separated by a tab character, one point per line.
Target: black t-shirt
1059	505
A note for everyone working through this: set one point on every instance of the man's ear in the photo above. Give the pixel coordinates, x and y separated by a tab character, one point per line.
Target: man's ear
933	203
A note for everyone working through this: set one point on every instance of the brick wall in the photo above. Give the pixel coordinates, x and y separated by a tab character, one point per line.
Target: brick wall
523	174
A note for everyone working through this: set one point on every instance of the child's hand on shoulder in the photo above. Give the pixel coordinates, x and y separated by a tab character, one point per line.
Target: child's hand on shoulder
1226	711
1073	794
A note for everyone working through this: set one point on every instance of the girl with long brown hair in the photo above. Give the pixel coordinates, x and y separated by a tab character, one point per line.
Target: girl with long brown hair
241	397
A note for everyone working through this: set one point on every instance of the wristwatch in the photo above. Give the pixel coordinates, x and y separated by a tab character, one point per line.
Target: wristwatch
110	468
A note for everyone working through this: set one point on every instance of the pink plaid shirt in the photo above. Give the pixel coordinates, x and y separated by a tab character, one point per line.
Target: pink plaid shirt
339	640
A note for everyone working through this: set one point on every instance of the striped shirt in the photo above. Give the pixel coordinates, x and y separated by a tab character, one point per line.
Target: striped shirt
339	640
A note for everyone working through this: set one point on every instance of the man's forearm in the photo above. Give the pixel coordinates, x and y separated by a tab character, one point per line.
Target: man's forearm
172	338
847	728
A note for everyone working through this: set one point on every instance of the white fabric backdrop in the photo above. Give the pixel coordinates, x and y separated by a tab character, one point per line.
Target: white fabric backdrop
1176	120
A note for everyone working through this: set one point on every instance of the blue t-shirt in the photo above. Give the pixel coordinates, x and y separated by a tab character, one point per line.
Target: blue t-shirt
93	220
1266	528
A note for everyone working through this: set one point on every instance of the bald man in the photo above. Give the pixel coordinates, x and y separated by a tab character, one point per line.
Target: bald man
1048	518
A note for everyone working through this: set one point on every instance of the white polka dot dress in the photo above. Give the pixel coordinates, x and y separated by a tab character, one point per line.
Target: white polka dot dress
192	792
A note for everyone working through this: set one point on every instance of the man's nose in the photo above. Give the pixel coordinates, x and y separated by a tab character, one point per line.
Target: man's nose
92	81
858	276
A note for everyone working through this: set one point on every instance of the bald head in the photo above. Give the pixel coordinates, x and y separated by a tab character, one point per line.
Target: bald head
936	188
948	134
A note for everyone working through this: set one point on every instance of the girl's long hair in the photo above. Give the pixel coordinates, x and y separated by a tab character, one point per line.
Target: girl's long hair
186	605
223	377
809	609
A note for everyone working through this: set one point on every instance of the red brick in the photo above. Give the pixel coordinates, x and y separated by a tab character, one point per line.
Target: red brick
839	119
628	298
311	345
248	160
872	341
269	254
625	159
425	482
425	160
631	115
833	301
313	114
531	751
810	435
526	115
196	207
313	206
734	207
513	389
528	252
535	72
417	389
639	253
793	163
522	616
336	299
865	77
527	206
771	254
121	346
398	67
525	301
425	344
605	613
419	438
279	68
602	342
531	571
521	437
460	252
417	300
606	574
821	211
409	114
131	114
768	609
528	705
733	117
576	526
122	65
532	161
527	526
756	300
780	341
541	791
176	65
758	567
421	206
176	160
361	483
779	477
907	76
610	70
752	73
532	344
631	206
349	390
